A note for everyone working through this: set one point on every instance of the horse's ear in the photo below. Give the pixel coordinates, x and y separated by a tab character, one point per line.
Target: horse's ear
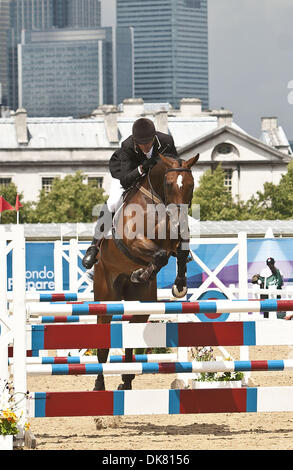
168	161
192	161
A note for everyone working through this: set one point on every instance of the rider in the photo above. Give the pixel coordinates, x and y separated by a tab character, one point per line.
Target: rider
138	153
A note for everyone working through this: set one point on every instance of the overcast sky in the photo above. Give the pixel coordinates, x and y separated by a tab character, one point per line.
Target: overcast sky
250	59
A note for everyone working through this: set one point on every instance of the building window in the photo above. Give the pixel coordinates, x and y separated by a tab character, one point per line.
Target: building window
47	183
96	181
192	3
228	179
224	148
5	181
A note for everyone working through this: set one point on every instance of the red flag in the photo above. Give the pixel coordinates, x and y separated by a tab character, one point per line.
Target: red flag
17	203
4	205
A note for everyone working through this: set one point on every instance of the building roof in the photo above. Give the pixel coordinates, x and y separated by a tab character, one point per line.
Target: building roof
109	125
275	138
235	130
92	133
253	228
55	133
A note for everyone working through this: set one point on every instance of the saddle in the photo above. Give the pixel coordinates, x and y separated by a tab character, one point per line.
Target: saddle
136	186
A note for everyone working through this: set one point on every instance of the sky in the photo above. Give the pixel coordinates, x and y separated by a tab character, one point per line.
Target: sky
250	59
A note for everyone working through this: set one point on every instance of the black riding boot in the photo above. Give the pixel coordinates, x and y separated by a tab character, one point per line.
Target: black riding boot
104	223
90	256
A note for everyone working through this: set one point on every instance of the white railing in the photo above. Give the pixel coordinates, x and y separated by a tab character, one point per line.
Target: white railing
13	324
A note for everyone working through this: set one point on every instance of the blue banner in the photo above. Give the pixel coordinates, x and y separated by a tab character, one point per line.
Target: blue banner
40	263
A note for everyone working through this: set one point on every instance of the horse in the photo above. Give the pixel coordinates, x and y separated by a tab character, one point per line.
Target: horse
128	262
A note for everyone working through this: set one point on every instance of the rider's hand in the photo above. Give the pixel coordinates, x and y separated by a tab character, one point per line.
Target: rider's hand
147	164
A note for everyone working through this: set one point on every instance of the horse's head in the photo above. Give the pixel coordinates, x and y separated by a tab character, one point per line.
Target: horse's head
178	181
173	181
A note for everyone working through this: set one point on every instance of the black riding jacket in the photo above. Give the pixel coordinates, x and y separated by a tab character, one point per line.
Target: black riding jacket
125	161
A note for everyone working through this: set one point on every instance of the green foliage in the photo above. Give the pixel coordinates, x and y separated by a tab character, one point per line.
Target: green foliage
9	193
205	354
215	200
8	423
275	202
70	200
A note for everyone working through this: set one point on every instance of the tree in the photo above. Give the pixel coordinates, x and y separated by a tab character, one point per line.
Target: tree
214	199
274	202
70	200
9	193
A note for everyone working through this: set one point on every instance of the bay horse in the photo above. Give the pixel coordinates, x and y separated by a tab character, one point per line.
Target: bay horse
129	262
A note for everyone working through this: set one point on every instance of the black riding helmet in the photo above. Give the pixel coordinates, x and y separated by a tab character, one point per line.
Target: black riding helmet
143	131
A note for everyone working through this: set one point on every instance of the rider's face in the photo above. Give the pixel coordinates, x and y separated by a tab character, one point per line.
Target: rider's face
145	148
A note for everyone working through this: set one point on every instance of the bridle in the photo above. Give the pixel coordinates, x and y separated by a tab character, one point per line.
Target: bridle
156	199
155	196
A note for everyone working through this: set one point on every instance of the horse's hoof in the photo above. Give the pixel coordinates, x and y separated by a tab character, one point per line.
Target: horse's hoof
179	293
124	386
99	385
99	423
140	276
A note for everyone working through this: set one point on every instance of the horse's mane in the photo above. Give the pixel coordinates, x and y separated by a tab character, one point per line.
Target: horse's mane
129	191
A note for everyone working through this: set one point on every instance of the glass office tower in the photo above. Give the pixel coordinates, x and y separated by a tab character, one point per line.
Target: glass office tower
83	13
43	15
170	48
4	27
70	72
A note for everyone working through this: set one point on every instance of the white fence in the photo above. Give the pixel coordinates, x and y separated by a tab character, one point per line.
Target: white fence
13	324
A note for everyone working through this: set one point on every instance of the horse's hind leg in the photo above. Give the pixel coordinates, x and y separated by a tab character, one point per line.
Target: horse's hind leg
101	293
127	378
135	292
102	358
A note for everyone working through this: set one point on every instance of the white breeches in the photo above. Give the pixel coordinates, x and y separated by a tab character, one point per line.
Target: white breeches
115	198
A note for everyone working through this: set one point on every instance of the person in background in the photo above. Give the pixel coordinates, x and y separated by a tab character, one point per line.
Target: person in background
269	277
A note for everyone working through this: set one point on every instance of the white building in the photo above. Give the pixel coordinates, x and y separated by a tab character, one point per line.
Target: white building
35	150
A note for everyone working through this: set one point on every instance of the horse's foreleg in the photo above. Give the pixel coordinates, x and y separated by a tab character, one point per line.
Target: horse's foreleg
179	288
160	258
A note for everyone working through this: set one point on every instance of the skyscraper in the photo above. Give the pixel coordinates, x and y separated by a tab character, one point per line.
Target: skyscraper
4	27
83	13
70	72
43	15
170	48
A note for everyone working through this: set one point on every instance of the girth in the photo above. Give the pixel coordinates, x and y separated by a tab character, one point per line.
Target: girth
119	243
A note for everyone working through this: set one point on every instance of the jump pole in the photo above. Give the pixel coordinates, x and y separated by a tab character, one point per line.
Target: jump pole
148	308
150	335
169	357
160	402
159	367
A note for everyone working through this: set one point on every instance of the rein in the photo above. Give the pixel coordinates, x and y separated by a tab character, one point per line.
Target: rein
155	197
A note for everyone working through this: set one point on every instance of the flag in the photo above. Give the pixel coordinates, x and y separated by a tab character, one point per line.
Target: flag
17	203
4	205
